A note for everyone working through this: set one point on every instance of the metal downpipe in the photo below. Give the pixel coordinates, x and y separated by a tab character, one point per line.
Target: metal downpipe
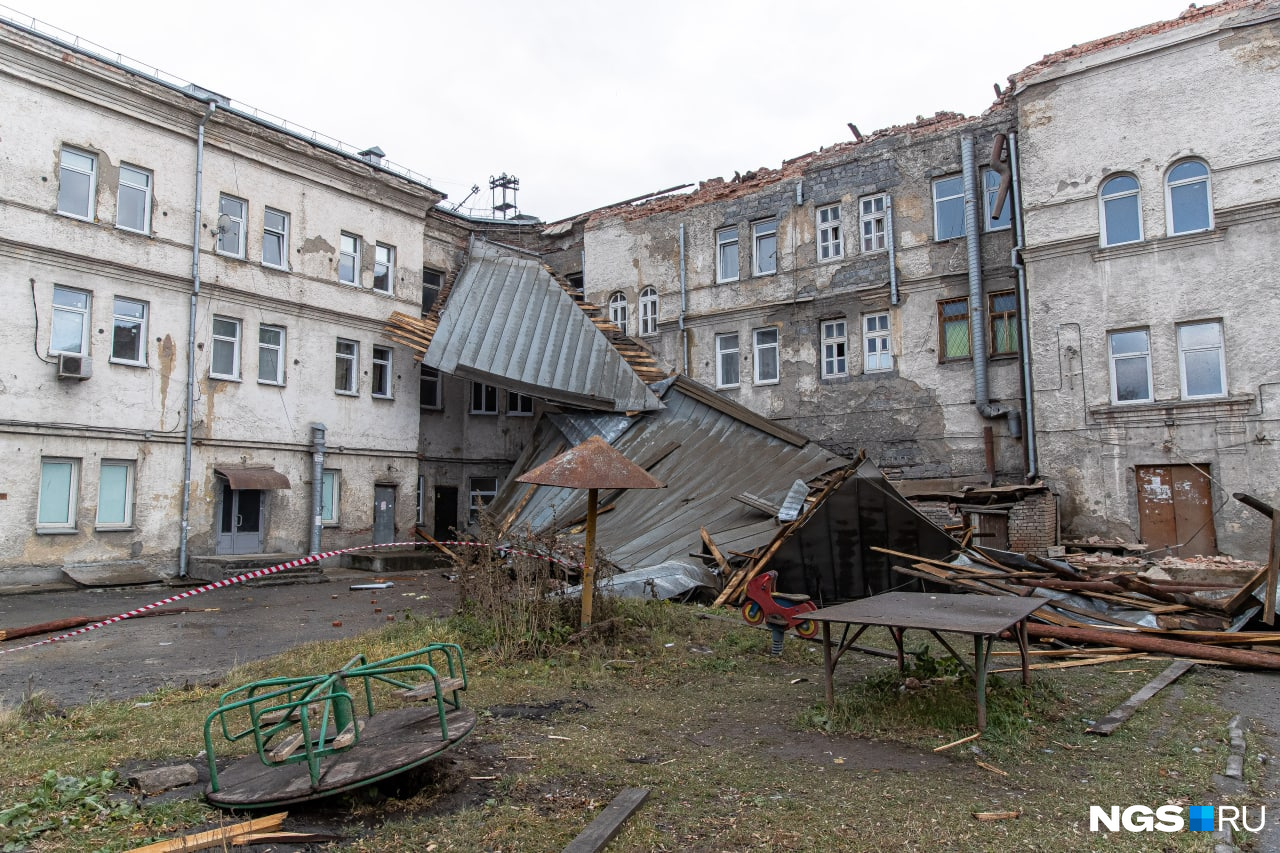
893	255
317	485
684	333
1024	315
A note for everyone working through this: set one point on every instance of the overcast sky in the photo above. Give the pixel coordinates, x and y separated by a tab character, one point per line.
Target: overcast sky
592	101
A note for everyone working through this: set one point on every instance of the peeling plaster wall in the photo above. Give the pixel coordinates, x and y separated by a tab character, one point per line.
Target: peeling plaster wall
1195	91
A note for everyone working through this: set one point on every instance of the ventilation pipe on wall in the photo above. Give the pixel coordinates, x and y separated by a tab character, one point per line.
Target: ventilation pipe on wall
893	255
185	526
977	310
317	485
684	334
1024	315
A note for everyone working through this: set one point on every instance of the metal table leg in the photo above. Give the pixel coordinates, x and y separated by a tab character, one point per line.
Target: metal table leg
981	648
829	665
1022	648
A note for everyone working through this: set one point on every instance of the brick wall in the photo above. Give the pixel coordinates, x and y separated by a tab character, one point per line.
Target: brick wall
1033	524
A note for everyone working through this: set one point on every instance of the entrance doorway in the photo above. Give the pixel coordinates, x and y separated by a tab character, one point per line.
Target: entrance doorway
240	522
445	503
384	514
1175	509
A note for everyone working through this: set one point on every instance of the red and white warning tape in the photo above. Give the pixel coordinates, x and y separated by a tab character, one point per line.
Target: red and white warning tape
261	573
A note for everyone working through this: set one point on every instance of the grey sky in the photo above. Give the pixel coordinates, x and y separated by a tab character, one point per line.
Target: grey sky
594	102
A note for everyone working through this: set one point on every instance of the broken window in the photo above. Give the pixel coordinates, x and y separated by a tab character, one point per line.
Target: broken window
1002	309
382	372
483	491
835	342
429	388
77	180
1187	198
346	357
1120	212
230	230
59	483
871	222
953	329
1200	353
70	333
484	399
115	495
275	238
133	199
727	361
431	281
727	254
649	311
519	404
618	310
766	356
129	332
348	258
877	354
764	247
948	208
384	264
1130	355
225	361
830	241
990	192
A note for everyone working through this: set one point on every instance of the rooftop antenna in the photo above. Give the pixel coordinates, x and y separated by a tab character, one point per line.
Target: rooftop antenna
475	188
507	184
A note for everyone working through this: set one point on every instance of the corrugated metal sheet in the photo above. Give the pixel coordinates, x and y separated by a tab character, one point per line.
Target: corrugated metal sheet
509	323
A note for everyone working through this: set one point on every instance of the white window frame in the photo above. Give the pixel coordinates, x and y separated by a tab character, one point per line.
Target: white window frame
280	236
519	405
240	220
479	497
1104	197
991	180
432	281
727	238
61	524
224	340
1171	185
830	235
125	519
84	314
429	377
730	350
347	351
91	173
330	496
760	346
352	257
835	348
873	228
877	335
383	358
938	201
649	311
619	308
1184	350
118	319
384	260
480	399
140	183
762	232
278	348
1113	358
421	507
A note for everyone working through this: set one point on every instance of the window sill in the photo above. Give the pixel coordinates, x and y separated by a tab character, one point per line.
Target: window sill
217	378
728	387
268	266
726	280
763	274
129	230
381	292
56	531
761	383
1164	411
387	397
123	363
342	393
1142	247
484	414
431	408
107	528
883	371
77	217
223	254
348	283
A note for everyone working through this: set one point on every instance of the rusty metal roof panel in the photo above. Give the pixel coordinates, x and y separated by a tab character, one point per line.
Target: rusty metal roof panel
508	322
253	476
593	464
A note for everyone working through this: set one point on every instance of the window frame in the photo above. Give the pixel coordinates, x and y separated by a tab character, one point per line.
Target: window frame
957	198
382	376
834	348
330	482
519	405
733	353
1171	185
759	349
126	509
474	492
146	197
432	280
353	255
352	361
648	311
989	195
877	219
242	224
278	348
72	499
279	235
433	381
85	314
1184	349
830	233
1116	196
945	320
388	266
727	238
480	404
1112	358
758	238
92	189
619	310
884	334
215	339
117	318
1009	316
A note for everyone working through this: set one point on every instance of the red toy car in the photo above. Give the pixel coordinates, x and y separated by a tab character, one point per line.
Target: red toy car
765	604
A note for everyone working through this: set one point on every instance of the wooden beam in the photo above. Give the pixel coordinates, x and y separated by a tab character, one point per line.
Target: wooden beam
1116	718
214	837
608	823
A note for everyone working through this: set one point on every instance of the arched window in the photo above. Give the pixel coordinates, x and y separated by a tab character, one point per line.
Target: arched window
618	310
1120	210
648	311
1187	198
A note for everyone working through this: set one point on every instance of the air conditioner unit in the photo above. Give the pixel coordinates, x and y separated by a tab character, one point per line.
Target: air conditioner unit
74	367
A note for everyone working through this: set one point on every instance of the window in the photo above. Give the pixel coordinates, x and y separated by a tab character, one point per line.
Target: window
1200	354
275	238
348	258
129	332
953	329
115	494
77	181
1002	309
1130	366
420	508
1187	198
618	310
225	363
1121	216
431	281
271	355
878	357
59	483
484	399
726	361
133	199
483	491
835	342
727	255
830	243
429	388
230	231
764	247
384	267
948	208
871	222
70	333
347	357
766	356
519	404
990	192
649	311
330	480
382	372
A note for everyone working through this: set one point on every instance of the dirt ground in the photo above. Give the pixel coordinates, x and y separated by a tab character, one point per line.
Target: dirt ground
136	656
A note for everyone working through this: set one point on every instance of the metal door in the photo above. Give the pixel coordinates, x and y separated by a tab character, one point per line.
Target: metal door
240	521
384	514
1175	510
445	503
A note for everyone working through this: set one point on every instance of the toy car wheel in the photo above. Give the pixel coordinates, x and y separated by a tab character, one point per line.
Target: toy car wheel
807	628
753	613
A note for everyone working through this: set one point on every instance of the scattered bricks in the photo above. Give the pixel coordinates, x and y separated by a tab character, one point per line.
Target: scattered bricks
337	624
151	782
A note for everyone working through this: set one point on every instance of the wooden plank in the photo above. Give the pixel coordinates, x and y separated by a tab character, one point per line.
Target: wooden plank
282	837
348	735
214	837
1116	718
725	569
287	747
608	823
428	690
1273	574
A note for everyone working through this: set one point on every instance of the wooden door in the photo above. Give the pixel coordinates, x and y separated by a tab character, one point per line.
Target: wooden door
1175	510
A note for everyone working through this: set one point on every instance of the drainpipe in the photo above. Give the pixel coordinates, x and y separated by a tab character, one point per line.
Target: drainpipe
893	254
1024	315
684	333
977	310
185	527
317	484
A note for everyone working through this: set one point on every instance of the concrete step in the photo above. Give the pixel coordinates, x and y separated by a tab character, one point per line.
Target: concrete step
388	561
